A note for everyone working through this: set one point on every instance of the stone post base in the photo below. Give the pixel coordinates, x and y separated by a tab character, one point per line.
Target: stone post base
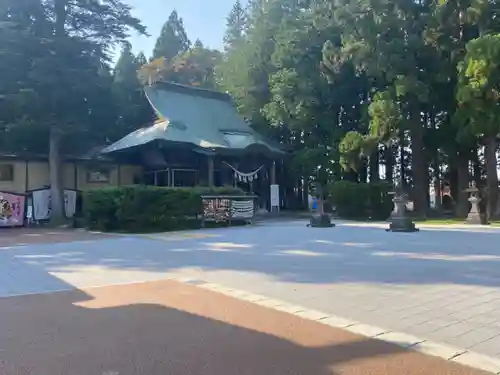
402	224
321	221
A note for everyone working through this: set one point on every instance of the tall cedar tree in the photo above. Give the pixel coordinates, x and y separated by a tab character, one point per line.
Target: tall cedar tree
69	44
236	24
173	39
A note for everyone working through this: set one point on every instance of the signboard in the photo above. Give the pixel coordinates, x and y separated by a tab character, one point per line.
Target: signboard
275	195
242	209
12	209
42	203
218	209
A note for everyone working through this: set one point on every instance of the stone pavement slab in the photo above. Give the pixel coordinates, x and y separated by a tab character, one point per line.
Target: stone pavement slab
164	327
10	237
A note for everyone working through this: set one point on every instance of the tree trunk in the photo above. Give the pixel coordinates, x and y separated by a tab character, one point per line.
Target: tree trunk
389	164
463	184
402	174
490	157
363	173
57	201
437	184
418	166
477	169
374	166
351	175
305	191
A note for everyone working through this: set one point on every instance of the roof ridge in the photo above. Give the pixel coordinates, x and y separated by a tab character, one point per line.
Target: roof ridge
196	91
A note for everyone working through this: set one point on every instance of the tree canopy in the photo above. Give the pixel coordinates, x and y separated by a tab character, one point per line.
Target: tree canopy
173	39
360	90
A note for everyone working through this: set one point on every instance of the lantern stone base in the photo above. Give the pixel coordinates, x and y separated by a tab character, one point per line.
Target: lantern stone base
402	224
321	221
474	217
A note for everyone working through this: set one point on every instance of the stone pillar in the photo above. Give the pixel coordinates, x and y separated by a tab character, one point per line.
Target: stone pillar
210	170
273	173
272	181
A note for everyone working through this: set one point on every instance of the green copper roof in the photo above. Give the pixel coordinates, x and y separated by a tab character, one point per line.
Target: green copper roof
206	119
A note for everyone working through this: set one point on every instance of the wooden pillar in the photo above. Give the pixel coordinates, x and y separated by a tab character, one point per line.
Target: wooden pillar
210	170
75	175
26	176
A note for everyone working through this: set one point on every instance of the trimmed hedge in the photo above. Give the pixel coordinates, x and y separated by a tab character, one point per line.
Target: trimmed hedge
361	201
141	208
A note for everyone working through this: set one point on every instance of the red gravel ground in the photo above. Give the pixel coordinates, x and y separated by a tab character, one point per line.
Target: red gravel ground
24	236
162	328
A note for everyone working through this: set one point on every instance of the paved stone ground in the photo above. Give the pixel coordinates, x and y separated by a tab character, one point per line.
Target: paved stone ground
435	284
24	236
164	327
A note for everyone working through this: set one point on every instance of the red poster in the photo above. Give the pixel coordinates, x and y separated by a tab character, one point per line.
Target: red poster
11	209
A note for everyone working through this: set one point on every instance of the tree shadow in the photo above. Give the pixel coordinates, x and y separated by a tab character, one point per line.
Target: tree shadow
286	253
168	329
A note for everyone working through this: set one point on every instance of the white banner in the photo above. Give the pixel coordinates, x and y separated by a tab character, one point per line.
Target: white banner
70	203
42	204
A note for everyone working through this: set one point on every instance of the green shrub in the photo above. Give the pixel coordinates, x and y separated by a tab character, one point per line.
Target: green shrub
222	190
100	207
380	201
146	208
361	201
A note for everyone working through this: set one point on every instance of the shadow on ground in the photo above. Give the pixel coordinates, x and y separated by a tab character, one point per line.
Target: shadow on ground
166	328
290	253
49	335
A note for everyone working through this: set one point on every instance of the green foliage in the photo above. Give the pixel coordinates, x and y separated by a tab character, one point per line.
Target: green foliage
132	107
478	95
173	39
63	87
194	67
236	24
334	82
385	116
146	208
351	150
479	85
366	201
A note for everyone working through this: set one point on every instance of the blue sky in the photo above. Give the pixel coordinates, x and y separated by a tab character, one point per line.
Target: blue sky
203	19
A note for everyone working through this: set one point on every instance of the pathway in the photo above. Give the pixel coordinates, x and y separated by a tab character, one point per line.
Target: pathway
440	285
163	328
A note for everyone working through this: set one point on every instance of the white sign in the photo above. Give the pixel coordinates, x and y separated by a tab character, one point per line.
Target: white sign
275	195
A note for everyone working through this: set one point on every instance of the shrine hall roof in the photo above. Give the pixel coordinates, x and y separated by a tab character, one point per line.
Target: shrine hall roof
206	119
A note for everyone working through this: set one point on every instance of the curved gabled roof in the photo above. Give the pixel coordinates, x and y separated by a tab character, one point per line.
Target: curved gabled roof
206	119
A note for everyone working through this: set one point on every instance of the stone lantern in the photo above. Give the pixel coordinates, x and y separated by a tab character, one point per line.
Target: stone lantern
400	221
473	217
320	219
